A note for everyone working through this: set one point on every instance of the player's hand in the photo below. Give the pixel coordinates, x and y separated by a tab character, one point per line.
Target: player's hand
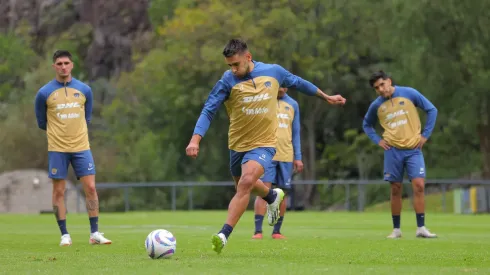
422	141
336	100
298	166
384	144
192	150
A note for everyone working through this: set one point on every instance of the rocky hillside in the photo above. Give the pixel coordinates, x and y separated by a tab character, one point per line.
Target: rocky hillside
116	28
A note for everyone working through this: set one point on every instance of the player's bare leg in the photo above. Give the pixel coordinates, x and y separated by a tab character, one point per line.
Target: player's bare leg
92	204
396	208
249	182
251	173
260	207
59	207
91	197
59	210
276	234
419	207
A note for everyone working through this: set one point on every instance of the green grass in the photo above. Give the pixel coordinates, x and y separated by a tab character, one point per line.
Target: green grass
332	243
433	204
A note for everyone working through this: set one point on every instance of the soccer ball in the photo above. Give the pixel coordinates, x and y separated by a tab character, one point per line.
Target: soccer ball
160	244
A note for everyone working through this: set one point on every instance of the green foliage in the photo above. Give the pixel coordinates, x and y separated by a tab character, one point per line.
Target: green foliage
168	109
161	11
16	60
144	119
22	144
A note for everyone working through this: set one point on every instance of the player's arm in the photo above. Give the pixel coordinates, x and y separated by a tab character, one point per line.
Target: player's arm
297	163
217	96
369	121
290	80
423	103
88	105
40	110
296	134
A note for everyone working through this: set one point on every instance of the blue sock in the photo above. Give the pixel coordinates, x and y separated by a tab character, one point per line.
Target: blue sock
420	219
94	224
62	226
396	221
226	230
277	226
270	197
259	219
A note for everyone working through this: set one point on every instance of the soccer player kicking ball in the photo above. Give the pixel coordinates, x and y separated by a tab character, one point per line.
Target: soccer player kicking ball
286	160
396	109
249	92
63	109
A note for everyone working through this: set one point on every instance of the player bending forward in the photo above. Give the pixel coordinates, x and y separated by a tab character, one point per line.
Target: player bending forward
286	160
63	109
396	109
249	92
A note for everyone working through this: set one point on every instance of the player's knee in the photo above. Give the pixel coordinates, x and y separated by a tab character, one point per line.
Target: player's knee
418	186
88	183
58	193
90	189
58	189
396	189
246	183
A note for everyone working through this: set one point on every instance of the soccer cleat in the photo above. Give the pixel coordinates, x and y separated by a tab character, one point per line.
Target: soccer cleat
65	240
278	236
257	236
396	234
273	208
98	238
423	232
218	241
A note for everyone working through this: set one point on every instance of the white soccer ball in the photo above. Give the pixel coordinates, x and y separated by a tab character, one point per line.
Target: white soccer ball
160	244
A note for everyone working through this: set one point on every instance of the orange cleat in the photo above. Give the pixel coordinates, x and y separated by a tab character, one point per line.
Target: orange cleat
278	236
257	236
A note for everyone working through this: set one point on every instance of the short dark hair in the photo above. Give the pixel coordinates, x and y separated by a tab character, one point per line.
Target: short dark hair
61	53
235	46
377	75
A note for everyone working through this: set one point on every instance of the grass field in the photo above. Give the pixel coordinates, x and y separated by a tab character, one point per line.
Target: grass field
324	243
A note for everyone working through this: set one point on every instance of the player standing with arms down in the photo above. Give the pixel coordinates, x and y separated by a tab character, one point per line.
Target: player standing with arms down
396	109
285	162
63	109
249	92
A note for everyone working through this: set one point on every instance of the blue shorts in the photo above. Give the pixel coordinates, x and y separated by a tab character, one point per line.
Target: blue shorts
397	161
262	155
82	163
279	173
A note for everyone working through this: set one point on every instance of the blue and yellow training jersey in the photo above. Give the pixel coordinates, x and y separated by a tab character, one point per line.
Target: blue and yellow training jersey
64	110
251	104
288	146
399	118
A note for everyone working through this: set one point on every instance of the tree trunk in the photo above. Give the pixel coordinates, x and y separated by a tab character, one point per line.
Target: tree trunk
484	134
311	156
310	123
